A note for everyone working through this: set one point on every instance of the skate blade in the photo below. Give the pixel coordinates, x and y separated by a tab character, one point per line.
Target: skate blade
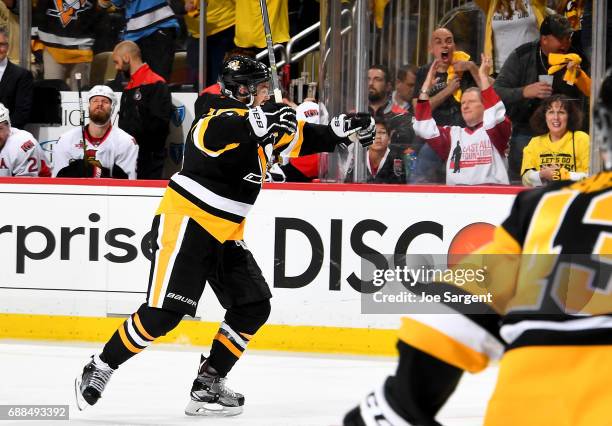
80	401
195	408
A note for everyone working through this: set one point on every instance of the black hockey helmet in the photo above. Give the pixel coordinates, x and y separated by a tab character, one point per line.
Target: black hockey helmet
240	72
602	120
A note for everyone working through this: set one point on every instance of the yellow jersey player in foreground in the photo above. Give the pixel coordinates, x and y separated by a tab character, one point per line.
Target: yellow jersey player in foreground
549	324
197	232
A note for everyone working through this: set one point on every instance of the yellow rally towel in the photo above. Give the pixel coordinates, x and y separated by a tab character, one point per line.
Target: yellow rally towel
559	61
457	56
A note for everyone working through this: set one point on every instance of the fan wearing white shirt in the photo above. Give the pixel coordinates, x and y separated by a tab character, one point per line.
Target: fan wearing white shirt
474	154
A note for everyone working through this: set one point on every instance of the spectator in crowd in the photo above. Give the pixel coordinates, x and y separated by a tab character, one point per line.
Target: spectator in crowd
152	25
15	86
510	24
249	25
384	163
561	151
66	30
146	108
381	105
108	150
220	33
521	84
404	88
10	21
20	153
454	74
479	146
380	87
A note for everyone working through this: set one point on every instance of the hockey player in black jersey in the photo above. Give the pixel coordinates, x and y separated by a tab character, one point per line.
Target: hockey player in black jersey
197	233
550	323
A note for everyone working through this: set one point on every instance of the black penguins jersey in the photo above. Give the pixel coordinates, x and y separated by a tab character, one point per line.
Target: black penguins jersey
563	290
224	166
548	273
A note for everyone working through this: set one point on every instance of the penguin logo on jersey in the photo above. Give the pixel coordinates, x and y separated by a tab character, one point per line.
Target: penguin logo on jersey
178	115
68	10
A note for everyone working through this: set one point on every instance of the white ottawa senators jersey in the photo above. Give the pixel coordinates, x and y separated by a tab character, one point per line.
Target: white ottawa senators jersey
473	156
116	147
23	156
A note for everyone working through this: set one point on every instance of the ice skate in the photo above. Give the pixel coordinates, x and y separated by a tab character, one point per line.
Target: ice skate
210	396
88	387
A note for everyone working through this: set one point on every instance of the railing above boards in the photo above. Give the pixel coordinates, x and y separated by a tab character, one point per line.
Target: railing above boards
286	52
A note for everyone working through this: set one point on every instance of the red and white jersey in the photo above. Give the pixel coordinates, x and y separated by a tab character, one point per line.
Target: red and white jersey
23	156
116	147
478	151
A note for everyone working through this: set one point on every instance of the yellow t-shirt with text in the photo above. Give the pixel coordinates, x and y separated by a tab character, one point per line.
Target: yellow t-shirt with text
571	152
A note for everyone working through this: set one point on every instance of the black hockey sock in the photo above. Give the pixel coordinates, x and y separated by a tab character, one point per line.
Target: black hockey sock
241	323
227	347
412	393
138	332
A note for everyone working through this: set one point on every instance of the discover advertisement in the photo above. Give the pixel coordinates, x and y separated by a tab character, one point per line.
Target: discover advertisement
83	250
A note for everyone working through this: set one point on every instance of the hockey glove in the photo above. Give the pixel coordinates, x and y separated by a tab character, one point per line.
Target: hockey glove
360	124
271	119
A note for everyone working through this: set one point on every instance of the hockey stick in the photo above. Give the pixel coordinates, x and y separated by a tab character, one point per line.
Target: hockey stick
278	97
77	77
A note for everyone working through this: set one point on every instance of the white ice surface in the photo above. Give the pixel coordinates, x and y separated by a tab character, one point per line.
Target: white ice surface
281	389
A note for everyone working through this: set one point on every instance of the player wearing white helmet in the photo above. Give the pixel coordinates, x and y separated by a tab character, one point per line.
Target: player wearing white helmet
98	117
110	152
20	153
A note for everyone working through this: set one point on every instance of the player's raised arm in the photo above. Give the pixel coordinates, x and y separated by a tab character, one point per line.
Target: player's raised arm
312	138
